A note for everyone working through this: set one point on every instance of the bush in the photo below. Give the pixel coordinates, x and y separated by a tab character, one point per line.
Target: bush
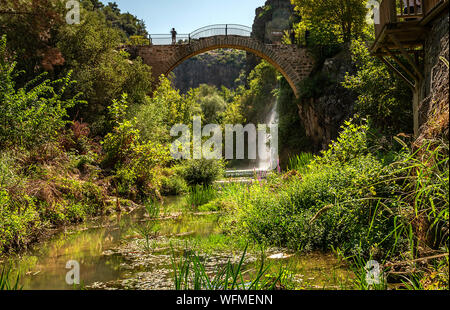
135	162
173	185
202	171
336	203
34	115
382	95
17	220
351	143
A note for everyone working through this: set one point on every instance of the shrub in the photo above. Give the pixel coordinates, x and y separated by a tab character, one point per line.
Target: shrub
173	185
134	162
17	220
31	115
336	203
202	171
351	143
382	95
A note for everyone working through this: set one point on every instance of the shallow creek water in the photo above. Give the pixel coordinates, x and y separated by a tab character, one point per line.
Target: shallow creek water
111	254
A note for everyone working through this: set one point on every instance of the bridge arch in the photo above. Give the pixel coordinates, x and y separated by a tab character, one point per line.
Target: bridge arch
292	62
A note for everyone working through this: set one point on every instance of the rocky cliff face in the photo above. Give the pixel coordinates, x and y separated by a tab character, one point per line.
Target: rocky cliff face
272	20
323	115
217	68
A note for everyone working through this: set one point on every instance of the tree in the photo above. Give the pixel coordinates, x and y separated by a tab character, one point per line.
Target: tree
167	107
128	24
32	32
382	96
328	20
212	104
255	100
34	114
103	73
92	4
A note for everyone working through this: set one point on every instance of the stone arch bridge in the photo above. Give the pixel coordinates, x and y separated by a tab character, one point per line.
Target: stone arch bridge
163	54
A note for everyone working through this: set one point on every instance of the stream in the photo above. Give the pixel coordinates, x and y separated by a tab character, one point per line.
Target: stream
111	253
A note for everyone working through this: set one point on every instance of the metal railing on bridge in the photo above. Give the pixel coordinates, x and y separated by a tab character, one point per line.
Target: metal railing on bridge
205	32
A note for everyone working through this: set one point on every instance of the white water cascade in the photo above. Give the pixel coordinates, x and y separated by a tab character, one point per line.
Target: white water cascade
271	162
261	166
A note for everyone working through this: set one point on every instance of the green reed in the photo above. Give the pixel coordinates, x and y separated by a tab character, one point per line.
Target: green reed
200	195
189	273
6	283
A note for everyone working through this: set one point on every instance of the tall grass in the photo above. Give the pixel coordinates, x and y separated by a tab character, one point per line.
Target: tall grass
200	195
423	177
190	273
6	283
148	231
300	162
153	208
364	273
422	221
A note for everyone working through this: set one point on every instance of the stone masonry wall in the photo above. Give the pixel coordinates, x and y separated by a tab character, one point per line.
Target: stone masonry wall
434	109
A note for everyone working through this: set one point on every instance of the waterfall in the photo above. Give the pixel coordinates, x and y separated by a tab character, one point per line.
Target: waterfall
272	161
262	165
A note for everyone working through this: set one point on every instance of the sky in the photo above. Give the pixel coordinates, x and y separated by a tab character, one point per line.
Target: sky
161	16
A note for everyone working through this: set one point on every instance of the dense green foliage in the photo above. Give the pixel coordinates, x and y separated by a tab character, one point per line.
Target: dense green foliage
164	109
331	21
82	135
128	24
133	159
258	97
349	199
202	171
383	97
106	76
212	104
31	115
43	41
51	168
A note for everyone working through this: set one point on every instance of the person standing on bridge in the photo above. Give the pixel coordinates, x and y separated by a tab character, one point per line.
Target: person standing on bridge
174	36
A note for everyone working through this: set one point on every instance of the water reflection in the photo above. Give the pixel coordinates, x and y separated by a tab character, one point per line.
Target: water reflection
43	268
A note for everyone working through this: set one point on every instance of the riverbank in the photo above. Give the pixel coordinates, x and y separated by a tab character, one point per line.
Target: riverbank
113	253
363	205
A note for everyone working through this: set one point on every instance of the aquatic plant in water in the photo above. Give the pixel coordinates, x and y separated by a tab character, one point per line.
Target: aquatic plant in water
189	272
5	280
